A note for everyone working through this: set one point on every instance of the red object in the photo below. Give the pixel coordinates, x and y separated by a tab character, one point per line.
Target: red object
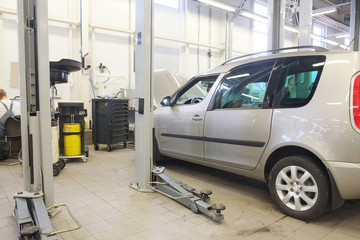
356	102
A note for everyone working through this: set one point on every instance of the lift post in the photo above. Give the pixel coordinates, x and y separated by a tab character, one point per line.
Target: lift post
148	177
143	90
38	194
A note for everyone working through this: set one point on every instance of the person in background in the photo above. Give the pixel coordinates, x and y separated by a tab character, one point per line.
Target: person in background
8	108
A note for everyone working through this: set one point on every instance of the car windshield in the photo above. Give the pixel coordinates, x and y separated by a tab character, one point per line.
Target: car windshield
197	90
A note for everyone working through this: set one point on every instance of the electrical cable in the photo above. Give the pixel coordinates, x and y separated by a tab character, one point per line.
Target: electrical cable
15	163
81	36
71	215
92	85
10	164
109	75
357	35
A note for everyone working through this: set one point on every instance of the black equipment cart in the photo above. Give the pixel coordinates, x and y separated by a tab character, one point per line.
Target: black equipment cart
110	122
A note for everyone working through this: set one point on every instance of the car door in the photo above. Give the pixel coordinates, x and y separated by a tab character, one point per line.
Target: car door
180	128
237	125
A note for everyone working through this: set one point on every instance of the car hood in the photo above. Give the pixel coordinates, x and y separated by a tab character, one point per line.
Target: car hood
165	84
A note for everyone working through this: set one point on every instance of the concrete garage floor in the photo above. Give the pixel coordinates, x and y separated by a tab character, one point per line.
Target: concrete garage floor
98	195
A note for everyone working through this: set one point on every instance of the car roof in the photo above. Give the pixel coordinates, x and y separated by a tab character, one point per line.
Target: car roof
227	66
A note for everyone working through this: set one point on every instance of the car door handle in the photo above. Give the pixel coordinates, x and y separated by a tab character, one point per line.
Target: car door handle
197	118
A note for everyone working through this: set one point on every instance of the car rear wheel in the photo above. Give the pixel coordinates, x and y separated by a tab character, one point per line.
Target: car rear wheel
299	187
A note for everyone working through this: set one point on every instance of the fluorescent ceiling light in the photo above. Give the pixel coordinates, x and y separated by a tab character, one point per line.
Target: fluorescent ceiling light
322	12
319	38
262	19
250	96
239	76
343	35
219	5
316	37
254	16
331	42
343	46
318	64
290	29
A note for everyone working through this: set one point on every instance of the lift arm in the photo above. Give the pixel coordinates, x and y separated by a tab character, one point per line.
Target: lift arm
165	184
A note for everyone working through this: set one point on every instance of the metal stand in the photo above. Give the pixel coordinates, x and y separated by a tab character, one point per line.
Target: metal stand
59	72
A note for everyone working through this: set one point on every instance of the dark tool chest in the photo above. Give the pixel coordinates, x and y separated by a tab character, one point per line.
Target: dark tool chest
110	122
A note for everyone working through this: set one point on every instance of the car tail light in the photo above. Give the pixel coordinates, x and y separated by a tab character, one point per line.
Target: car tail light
355	102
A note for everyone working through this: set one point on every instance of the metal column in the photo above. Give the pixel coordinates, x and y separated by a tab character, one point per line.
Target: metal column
305	23
143	89
145	173
85	91
355	24
35	104
276	24
30	204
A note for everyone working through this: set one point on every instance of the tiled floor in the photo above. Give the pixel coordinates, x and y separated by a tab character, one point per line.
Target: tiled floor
98	195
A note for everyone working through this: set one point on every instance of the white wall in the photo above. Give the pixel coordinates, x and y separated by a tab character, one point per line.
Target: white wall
115	49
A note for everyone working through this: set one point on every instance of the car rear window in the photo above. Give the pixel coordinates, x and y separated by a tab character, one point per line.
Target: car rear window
298	81
245	86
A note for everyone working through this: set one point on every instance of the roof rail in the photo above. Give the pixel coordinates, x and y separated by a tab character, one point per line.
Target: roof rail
316	48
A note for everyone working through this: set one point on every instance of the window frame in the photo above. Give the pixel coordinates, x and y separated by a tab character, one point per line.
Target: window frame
189	85
281	79
270	90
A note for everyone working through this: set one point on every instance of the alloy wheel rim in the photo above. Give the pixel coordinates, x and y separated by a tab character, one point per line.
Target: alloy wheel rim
296	188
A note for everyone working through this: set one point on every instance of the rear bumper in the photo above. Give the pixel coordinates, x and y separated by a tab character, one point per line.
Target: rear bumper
347	178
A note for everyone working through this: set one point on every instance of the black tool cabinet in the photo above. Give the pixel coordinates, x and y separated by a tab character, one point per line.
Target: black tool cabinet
110	122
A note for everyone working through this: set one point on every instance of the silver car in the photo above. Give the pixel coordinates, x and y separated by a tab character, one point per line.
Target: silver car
289	119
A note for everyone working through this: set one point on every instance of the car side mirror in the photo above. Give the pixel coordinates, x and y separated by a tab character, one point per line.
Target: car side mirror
165	101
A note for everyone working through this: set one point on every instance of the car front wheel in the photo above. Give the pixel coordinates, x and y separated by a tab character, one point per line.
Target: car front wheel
300	187
158	158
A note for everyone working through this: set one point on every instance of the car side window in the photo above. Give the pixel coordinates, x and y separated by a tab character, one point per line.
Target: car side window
299	78
196	91
245	86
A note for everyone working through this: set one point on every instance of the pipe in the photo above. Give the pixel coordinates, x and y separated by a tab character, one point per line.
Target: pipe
81	37
53	19
122	30
189	42
93	38
110	28
209	51
130	47
198	47
226	35
63	20
354	25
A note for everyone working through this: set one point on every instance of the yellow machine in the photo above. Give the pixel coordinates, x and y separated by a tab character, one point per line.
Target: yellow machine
72	139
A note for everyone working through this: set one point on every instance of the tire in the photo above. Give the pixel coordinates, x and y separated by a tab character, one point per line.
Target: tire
96	147
56	170
306	198
109	148
158	158
62	163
